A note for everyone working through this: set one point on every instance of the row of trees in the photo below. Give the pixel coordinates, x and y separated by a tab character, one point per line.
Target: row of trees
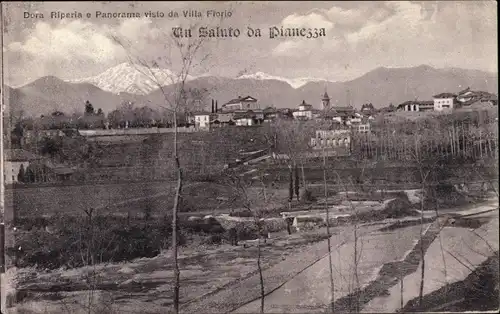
32	173
459	140
127	115
470	137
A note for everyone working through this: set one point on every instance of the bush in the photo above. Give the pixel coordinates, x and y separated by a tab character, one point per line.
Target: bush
212	239
246	231
71	242
307	196
443	194
275	224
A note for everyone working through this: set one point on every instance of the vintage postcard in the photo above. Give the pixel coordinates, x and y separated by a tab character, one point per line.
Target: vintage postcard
249	157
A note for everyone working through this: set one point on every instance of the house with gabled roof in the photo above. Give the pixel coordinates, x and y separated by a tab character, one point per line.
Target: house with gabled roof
340	114
468	97
223	119
304	112
241	103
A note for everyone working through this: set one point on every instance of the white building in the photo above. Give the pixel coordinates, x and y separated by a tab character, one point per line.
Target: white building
248	118
15	159
444	101
305	111
331	139
415	105
202	120
363	127
245	122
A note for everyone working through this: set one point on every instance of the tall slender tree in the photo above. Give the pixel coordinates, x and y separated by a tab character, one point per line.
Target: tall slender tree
290	188
185	54
297	183
20	175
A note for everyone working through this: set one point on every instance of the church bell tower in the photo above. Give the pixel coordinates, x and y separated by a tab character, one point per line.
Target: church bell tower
325	101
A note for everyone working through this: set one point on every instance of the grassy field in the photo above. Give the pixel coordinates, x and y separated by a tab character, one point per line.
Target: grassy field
135	199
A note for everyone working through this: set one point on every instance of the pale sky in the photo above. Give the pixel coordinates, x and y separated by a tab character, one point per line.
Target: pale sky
360	36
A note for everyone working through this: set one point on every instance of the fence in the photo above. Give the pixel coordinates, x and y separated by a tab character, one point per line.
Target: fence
136	131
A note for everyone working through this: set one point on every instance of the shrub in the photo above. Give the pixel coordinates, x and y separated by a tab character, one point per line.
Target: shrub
275	224
246	231
212	239
75	242
307	196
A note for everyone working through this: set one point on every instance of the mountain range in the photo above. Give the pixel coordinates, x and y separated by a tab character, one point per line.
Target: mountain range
126	82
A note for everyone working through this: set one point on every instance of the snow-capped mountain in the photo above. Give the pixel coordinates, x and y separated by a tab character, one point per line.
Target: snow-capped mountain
130	78
295	83
380	86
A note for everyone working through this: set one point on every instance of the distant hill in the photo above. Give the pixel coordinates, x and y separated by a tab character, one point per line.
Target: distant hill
381	87
49	93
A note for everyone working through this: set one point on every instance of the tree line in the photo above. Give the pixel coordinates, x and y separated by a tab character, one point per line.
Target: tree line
127	115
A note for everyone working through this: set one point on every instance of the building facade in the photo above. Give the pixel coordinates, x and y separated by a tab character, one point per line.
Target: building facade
249	117
305	111
14	161
202	120
416	106
363	127
331	139
241	103
444	101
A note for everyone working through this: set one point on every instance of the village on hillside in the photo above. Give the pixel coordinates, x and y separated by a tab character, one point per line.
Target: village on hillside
331	128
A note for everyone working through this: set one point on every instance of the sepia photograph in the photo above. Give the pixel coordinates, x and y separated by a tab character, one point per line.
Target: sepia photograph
249	157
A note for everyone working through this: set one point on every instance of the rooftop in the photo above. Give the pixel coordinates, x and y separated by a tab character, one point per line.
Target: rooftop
240	99
246	114
367	106
202	113
303	103
445	95
417	102
343	108
464	91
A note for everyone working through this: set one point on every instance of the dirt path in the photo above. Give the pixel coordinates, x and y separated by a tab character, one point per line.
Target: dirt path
385	258
310	290
389	274
459	249
248	290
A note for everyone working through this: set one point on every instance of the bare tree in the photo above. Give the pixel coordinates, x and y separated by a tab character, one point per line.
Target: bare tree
327	214
357	248
292	139
187	55
243	188
426	162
